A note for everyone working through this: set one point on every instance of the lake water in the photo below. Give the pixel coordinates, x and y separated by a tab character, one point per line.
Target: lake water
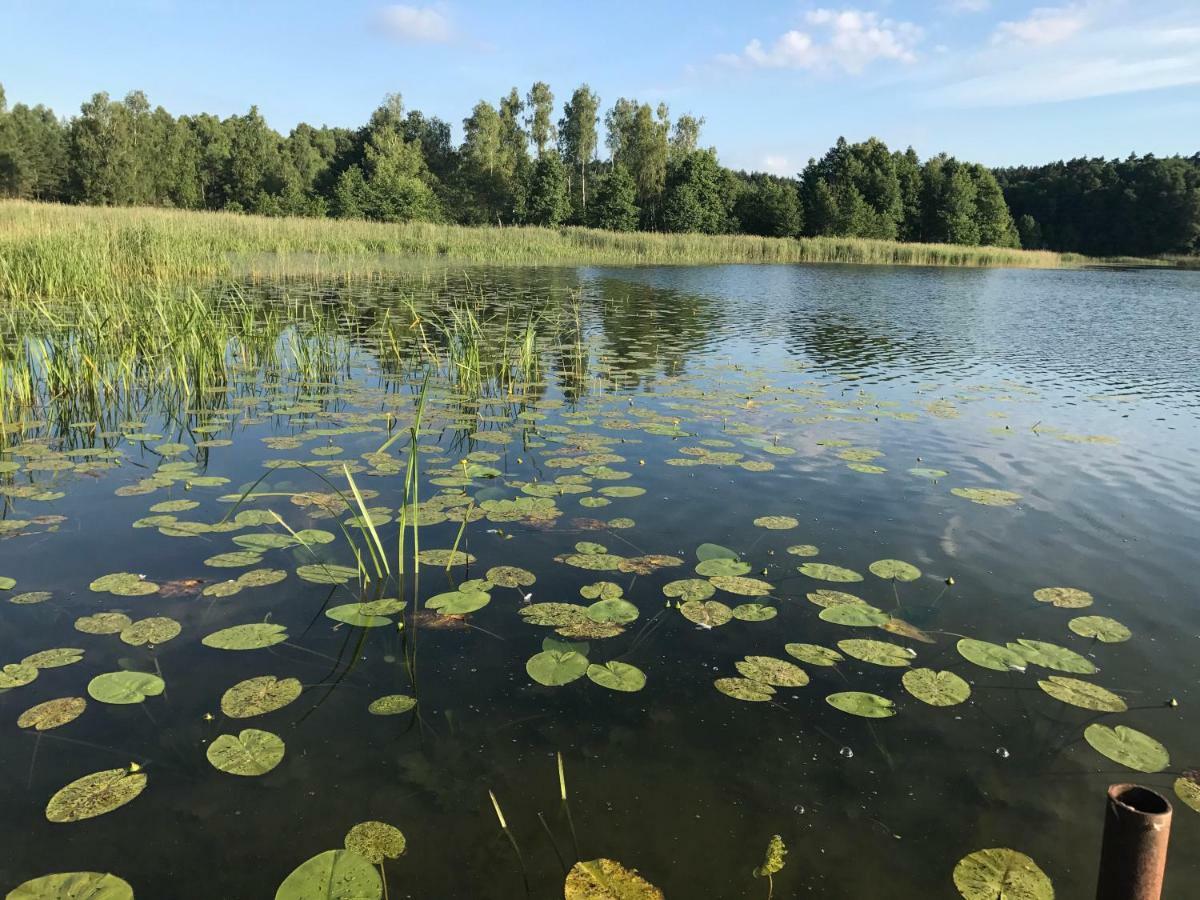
708	398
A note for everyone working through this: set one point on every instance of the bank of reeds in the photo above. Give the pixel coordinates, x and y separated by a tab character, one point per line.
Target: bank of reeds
49	250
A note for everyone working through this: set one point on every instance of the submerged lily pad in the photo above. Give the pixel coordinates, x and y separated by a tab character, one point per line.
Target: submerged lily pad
94	795
392	705
253	636
998	872
29	598
881	653
987	496
252	752
814	654
617	676
555	667
52	713
803	550
332	875
936	688
990	656
709	614
861	703
827	572
1102	628
1128	747
1083	694
744	689
772	671
607	879
895	569
1064	597
73	886
376	841
125	687
258	696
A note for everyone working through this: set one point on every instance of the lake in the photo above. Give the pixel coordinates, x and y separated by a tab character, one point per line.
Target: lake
874	469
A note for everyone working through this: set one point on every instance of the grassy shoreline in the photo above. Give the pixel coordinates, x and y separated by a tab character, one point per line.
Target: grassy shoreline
51	250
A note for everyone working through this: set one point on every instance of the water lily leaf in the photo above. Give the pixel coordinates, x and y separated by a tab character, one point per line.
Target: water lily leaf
94	795
554	667
803	550
622	490
881	653
554	614
617	676
376	841
103	623
936	688
125	687
922	472
828	598
1064	597
391	705
772	671
1128	747
154	630
1052	656
904	629
259	696
860	703
722	567
826	572
999	872
52	713
124	584
1187	789
986	496
602	590
6	583
746	587
384	606
896	569
333	875
252	752
776	523
714	551
744	689
619	611
990	656
174	506
814	654
326	573
459	603
645	565
606	879
256	543
854	614
253	636
510	576
15	675
235	559
53	659
73	886
754	612
445	558
1102	628
593	562
29	598
591	548
709	614
1083	694
352	614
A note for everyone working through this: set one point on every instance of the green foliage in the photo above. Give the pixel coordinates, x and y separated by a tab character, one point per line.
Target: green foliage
853	191
694	200
615	205
548	202
770	207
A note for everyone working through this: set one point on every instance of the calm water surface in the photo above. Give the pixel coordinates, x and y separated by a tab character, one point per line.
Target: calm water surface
1077	391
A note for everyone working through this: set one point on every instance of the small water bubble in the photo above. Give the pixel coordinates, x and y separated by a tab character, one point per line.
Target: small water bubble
1002	752
847	752
799	809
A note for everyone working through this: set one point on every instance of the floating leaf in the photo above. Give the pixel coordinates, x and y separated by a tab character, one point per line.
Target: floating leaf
827	598
554	667
94	795
124	584
253	636
826	572
1102	628
621	612
772	671
803	550
333	875
754	612
860	703
776	523
252	752
606	879
510	576
714	551
722	567
1128	747
602	590
52	713
746	587
936	688
6	583
125	687
235	559
445	558
999	872
258	696
881	653
376	841
922	472
773	860
155	630
352	614
1187	789
326	573
990	656
744	689
554	614
1083	694
986	496
73	886
103	623
895	569
29	598
593	562
1064	597
814	654
617	676
53	659
709	614
391	705
15	675
1052	656
459	603
854	614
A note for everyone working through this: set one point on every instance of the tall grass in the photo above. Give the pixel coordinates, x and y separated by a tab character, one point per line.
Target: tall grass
49	250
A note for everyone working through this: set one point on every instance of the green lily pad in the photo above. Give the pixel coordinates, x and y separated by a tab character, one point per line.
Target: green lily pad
1187	789
714	551
253	636
154	630
15	675
103	623
29	598
618	611
617	676
1001	873
252	752
352	614
827	598
1102	628
603	590
744	689
94	795
776	523
991	656
722	567
814	654
936	688
895	569
861	703
1064	597
772	671
327	573
922	472
510	576
259	696
391	705
1128	747
53	659
554	667
1083	694
6	583
986	496
73	886
746	587
804	550
124	584
376	841
459	603
607	879
554	615
1052	656
52	713
855	615
445	558
332	875
125	687
593	562
754	612
698	589
235	559
881	653
709	614
827	572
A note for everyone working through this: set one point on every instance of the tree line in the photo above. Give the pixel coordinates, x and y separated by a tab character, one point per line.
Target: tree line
520	164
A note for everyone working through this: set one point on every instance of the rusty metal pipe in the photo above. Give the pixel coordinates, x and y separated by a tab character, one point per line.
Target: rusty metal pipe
1137	827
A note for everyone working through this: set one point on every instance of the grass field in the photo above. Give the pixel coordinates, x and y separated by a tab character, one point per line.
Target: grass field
51	250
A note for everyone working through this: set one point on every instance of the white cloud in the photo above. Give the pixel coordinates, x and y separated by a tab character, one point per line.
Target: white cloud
846	39
777	165
415	24
969	6
1045	25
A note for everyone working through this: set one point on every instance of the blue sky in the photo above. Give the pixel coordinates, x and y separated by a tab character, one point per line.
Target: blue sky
990	80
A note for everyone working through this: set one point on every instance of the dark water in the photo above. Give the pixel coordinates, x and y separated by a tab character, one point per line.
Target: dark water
1079	391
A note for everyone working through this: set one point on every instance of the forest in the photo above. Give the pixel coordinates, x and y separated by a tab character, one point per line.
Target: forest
520	163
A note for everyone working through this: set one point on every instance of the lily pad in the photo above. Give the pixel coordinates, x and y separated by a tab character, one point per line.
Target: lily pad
804	550
554	614
777	523
827	598
604	590
1187	789
1052	656
744	689
252	752
895	569
710	613
103	623
73	886
326	573
29	598
1064	597
714	551
53	659
333	875
125	687
772	671
746	587
722	567
52	713
621	612
253	636
510	576
376	841
814	654
1102	628
991	656
936	688
259	696
392	705
606	879
1128	747
154	630
754	612
555	667
459	603
445	557
881	653
352	614
94	795
987	496
827	572
1083	694
855	615
15	675
124	584
999	872
235	559
861	703
617	676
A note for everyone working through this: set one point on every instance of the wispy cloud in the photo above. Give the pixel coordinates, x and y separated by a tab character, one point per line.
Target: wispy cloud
968	6
1045	25
777	165
847	39
415	24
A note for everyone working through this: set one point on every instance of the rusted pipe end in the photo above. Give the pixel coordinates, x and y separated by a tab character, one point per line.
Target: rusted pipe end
1137	827
1140	806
